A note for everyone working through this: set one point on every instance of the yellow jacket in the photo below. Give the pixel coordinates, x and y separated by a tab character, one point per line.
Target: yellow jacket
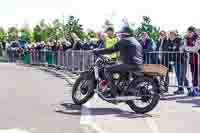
109	42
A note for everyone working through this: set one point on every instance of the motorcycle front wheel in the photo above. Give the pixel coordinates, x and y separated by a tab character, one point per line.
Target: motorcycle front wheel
147	90
82	90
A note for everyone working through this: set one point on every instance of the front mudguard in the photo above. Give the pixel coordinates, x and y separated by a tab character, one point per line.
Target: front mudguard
89	75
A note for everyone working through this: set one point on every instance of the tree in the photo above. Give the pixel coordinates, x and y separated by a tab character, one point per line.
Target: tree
2	34
37	33
146	26
73	26
12	33
47	33
45	30
26	34
42	31
57	31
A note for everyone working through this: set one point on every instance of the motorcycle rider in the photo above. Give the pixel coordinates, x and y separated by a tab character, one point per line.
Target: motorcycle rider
131	57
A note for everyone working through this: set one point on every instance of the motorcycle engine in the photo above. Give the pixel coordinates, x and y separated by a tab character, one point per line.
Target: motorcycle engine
116	76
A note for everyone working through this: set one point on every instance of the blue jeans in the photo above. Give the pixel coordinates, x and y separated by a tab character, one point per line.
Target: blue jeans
181	70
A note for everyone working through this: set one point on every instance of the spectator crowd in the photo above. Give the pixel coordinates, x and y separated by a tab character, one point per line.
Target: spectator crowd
175	52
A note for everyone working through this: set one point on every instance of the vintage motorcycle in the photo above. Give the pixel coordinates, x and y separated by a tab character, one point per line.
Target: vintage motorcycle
141	91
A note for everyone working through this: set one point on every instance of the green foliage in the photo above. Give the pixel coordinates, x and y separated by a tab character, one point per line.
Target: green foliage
2	34
91	34
12	33
56	31
37	33
45	30
146	26
42	31
26	34
73	26
59	30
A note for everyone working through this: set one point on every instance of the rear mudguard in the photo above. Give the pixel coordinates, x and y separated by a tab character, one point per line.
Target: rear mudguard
156	81
153	78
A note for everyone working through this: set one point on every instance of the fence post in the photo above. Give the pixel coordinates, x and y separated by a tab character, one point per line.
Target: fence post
31	59
83	63
63	59
57	55
73	61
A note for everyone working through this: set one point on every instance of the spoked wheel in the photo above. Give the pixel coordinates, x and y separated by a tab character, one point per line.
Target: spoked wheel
146	91
82	91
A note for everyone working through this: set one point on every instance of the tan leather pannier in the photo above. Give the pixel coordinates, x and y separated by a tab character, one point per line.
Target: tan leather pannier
155	69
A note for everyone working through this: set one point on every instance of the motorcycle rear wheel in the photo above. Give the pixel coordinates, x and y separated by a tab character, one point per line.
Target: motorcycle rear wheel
154	100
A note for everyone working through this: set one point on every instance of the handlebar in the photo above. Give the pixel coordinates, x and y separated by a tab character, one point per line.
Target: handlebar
103	57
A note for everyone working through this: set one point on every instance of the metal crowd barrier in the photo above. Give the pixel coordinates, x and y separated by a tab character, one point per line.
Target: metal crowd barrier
184	68
76	61
14	55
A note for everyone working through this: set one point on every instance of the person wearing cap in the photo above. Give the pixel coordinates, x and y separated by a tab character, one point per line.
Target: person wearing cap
131	56
110	39
179	60
192	46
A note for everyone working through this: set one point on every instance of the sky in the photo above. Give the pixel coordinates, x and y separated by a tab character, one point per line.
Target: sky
168	14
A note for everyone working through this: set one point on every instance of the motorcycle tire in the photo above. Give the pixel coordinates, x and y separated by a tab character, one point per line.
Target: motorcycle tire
89	94
153	103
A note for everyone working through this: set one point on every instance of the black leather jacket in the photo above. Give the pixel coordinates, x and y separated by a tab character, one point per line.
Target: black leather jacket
131	51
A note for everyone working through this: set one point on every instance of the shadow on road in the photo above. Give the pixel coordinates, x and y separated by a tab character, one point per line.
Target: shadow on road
175	98
185	100
72	109
69	109
196	106
133	115
196	102
116	112
57	75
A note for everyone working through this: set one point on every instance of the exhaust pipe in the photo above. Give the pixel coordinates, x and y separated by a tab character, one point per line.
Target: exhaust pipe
118	99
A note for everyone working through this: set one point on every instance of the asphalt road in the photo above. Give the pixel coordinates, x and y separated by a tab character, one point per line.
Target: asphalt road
34	101
175	114
40	102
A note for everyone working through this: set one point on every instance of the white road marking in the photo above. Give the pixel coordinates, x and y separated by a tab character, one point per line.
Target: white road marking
196	109
86	117
85	114
13	131
152	124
